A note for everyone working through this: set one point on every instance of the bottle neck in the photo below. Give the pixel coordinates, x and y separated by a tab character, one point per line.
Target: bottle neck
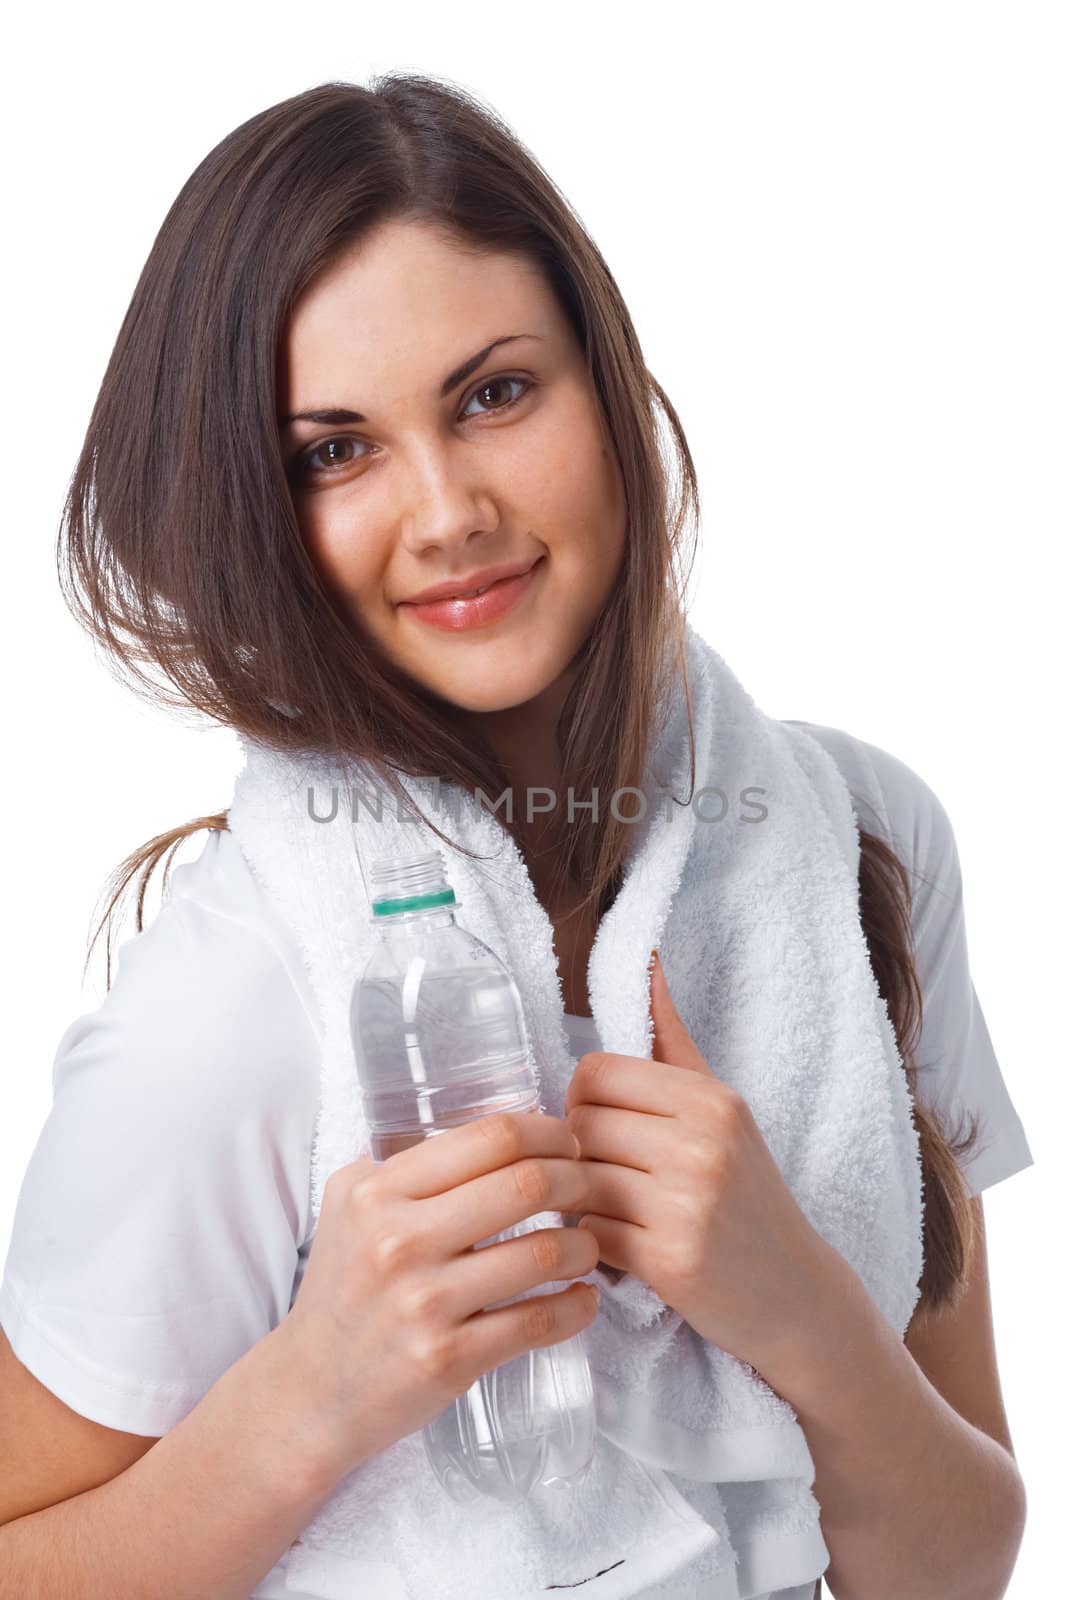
396	924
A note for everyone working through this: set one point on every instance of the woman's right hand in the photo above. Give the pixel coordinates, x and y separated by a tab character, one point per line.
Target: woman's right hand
390	1323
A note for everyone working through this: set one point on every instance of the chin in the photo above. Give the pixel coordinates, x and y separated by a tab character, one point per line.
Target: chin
484	691
486	675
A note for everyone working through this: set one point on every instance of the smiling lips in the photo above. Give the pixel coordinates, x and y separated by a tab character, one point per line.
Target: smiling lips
455	614
469	584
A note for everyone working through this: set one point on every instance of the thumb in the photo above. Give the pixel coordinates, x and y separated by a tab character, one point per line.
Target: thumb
671	1042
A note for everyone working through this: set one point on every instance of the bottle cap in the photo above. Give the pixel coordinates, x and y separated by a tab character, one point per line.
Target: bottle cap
414	881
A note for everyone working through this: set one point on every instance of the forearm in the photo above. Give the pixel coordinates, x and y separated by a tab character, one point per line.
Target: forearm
207	1511
913	1499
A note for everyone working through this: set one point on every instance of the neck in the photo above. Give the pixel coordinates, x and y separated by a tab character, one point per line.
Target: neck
524	739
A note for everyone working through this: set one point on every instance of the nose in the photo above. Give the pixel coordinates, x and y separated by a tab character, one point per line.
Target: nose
447	508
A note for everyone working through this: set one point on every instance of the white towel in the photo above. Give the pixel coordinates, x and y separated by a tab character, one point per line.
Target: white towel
757	925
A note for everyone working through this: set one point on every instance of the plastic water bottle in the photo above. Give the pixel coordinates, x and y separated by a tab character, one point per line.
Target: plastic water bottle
439	1039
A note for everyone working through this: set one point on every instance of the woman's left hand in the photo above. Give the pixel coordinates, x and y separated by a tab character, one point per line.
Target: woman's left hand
687	1196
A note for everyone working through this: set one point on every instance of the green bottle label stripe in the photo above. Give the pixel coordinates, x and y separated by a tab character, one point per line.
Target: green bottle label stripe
415	902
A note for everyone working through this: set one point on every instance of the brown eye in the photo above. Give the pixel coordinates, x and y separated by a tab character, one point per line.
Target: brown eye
323	459
332	453
496	383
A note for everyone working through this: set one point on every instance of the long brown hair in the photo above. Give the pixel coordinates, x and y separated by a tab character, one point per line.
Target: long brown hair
181	553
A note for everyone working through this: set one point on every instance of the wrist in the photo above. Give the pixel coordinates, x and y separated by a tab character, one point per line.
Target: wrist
314	1457
797	1357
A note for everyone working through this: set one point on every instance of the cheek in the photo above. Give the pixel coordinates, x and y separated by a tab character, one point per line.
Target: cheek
601	530
350	561
575	495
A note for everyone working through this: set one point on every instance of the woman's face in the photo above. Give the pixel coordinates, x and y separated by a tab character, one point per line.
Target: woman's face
511	466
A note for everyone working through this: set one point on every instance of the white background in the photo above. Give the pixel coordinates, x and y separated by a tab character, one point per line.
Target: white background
840	231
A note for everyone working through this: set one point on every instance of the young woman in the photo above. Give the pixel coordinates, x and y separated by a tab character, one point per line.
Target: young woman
373	356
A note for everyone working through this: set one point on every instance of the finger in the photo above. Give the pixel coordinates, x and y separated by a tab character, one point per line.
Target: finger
474	1149
615	1140
672	1041
623	1245
510	1267
604	1079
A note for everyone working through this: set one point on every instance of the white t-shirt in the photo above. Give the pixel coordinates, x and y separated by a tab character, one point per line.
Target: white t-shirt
162	1226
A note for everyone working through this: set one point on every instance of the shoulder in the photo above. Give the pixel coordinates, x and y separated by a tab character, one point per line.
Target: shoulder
894	802
163	1216
218	892
203	1028
958	1070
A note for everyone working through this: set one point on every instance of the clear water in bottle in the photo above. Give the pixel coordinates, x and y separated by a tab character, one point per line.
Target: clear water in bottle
439	1038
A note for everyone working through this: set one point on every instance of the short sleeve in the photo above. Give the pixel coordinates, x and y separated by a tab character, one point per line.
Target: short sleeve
158	1225
958	1071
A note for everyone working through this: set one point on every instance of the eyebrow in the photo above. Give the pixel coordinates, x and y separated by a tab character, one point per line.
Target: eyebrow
332	416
